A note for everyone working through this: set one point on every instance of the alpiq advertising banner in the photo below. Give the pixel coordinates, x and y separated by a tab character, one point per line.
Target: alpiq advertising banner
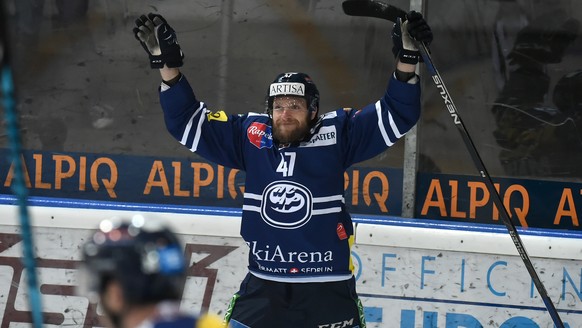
188	182
368	191
531	203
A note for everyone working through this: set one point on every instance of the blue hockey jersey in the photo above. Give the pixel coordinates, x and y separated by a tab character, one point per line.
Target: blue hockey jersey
294	217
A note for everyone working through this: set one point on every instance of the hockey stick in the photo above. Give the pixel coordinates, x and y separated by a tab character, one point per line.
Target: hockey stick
374	8
18	185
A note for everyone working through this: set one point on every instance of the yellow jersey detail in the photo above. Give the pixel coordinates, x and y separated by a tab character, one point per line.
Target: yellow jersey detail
351	241
218	116
210	321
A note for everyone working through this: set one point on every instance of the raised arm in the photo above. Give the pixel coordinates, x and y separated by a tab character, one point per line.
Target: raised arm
159	40
405	34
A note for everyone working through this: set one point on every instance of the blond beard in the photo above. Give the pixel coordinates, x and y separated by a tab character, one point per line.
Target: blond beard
292	136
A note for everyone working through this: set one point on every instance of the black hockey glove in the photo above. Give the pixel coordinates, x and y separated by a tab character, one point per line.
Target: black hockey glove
159	41
404	35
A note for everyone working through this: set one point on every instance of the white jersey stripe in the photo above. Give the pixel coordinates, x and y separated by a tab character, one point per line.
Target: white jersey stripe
188	128
328	199
387	140
394	127
303	279
314	212
249	114
327	211
252	196
315	199
198	129
251	208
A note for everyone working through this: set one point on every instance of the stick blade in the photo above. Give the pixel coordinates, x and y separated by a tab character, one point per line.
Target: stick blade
372	8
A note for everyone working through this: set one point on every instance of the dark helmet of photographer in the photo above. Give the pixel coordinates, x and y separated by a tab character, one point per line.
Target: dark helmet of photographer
143	255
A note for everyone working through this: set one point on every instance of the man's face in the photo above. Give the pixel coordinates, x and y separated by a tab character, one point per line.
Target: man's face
290	118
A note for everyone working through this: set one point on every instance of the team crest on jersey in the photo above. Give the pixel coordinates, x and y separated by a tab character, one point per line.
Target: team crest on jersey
286	205
260	135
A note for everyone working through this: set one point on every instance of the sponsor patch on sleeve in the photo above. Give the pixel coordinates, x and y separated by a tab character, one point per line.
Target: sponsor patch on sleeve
217	116
260	135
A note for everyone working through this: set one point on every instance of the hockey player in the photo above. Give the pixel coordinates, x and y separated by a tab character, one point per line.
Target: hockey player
136	269
294	217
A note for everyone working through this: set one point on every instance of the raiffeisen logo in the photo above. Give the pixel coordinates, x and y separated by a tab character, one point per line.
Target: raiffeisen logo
286	205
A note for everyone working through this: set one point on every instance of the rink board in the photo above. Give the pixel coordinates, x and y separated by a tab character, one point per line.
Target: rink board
88	180
409	274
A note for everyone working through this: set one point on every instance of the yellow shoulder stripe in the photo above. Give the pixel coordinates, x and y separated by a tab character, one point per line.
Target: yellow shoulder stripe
218	116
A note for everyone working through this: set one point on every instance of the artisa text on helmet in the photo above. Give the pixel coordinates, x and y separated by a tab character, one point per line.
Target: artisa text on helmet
289	88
